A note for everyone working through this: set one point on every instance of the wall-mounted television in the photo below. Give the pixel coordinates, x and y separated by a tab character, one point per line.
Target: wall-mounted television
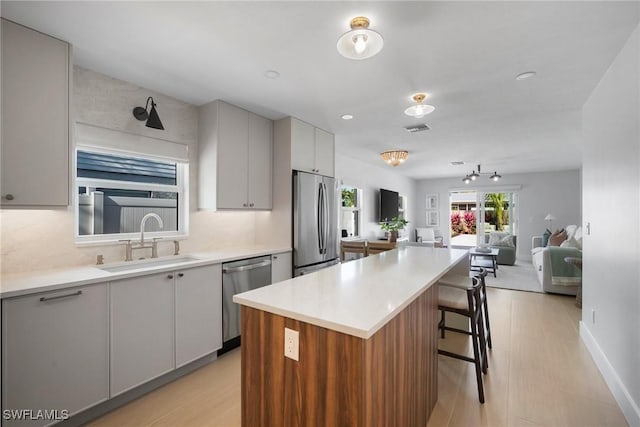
388	205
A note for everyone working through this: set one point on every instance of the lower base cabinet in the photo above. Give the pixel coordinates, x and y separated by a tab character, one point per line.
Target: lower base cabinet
66	351
142	330
198	313
55	348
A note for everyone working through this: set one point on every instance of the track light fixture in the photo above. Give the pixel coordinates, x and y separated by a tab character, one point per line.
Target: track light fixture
153	121
475	175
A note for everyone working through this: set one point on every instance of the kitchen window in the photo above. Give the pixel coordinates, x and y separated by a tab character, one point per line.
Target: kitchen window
114	191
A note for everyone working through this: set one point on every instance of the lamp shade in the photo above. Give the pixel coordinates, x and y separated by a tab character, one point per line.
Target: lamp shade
549	217
154	121
360	42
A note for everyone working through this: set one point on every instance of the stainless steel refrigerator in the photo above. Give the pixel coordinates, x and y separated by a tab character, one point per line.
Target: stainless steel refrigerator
315	222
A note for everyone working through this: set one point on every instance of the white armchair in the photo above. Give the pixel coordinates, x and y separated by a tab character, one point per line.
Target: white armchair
427	236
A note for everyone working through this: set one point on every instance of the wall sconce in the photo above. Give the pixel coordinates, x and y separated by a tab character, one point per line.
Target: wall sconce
153	121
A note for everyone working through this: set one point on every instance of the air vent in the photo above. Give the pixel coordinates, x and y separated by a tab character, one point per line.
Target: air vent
456	163
418	128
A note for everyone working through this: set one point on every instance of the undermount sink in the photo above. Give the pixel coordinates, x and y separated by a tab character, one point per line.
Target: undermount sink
137	265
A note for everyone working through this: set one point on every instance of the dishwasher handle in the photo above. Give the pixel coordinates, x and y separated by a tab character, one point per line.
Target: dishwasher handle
246	267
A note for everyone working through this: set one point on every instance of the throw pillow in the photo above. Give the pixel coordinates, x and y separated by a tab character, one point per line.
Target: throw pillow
571	230
545	237
557	238
506	241
571	242
496	236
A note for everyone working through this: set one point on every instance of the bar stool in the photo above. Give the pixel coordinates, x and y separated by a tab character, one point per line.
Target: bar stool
353	247
460	281
466	302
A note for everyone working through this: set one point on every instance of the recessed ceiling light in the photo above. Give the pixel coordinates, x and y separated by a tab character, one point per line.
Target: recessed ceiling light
525	75
347	116
271	74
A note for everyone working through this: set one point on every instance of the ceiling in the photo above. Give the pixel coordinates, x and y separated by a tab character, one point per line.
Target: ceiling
465	55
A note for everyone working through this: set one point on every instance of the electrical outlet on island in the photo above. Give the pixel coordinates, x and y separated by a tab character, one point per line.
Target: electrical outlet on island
291	344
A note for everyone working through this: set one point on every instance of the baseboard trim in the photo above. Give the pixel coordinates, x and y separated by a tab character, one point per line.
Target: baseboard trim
620	393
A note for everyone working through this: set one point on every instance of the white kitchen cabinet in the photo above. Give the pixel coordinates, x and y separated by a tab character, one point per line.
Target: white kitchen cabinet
235	151
312	149
55	348
35	119
324	152
142	330
281	264
198	312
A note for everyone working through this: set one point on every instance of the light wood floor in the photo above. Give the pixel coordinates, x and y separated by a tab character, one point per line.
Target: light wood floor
540	374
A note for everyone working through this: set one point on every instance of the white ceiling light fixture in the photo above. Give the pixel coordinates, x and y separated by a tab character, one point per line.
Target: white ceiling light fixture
360	42
394	157
347	116
419	110
475	175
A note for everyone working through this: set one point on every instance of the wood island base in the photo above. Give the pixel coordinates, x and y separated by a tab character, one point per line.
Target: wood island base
389	379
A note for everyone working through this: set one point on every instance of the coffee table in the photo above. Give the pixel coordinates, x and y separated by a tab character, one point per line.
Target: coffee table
487	260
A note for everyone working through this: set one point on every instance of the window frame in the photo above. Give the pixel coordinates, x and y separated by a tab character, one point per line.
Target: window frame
181	188
357	208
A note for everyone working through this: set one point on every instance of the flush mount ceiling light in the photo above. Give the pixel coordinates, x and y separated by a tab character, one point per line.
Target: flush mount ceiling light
347	116
475	175
360	42
394	157
153	121
419	110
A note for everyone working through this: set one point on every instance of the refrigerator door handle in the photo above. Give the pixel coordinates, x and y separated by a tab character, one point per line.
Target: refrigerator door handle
320	220
326	218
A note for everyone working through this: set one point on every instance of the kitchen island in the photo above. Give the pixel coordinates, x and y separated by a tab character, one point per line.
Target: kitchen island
367	342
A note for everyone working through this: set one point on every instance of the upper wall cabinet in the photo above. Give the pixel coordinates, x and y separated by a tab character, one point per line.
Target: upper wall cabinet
312	149
35	118
235	150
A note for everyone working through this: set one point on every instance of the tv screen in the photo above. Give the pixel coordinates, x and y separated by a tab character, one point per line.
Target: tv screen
388	205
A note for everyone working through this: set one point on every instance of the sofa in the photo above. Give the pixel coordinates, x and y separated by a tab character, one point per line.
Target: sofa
505	243
554	274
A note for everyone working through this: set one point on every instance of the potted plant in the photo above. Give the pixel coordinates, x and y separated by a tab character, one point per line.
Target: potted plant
393	226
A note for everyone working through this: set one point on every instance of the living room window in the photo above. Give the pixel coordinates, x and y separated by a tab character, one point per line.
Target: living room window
350	213
114	191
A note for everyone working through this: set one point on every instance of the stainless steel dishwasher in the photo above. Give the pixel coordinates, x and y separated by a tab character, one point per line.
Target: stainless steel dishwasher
237	277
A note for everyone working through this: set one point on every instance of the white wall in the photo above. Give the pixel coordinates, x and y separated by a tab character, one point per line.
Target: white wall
44	239
557	193
611	202
370	179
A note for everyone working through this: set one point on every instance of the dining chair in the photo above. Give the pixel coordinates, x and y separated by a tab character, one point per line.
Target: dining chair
354	247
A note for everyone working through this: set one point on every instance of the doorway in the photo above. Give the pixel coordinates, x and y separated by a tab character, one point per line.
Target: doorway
475	213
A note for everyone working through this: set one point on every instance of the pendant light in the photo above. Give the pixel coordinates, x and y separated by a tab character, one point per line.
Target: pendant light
475	175
419	110
360	42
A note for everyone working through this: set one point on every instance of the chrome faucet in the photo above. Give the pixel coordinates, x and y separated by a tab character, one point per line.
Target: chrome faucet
144	221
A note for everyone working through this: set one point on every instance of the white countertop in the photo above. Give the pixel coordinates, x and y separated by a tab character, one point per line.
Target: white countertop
13	285
357	297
